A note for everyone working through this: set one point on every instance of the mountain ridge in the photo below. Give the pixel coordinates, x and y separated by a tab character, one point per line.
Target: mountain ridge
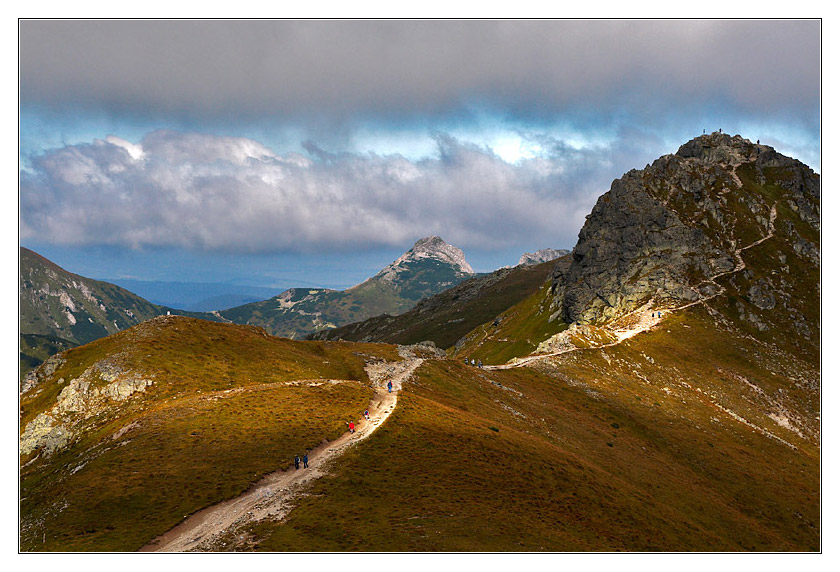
698	431
428	267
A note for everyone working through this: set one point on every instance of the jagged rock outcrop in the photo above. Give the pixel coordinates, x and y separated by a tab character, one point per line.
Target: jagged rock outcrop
540	256
100	389
663	233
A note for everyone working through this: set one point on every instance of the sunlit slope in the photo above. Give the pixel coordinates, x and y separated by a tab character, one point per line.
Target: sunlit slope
134	431
688	438
446	317
516	332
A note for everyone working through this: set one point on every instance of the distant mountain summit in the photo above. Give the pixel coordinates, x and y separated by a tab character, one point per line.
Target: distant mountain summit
540	256
429	249
427	268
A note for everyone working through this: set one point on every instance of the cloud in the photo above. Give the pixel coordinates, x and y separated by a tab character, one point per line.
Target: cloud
328	71
231	194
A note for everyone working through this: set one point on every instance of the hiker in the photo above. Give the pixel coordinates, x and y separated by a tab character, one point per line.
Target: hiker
653	315
306	460
352	427
473	361
297	462
466	361
367	415
660	314
390	386
480	365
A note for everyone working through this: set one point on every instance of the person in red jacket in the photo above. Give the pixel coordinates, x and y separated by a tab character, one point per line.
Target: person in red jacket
352	427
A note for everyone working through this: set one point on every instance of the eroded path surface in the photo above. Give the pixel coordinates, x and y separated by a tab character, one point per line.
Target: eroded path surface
216	528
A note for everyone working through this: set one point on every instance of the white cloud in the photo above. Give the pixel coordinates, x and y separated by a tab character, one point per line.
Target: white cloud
217	193
136	151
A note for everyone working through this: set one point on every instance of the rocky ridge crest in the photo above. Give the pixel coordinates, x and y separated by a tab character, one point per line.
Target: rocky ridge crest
660	234
430	247
540	256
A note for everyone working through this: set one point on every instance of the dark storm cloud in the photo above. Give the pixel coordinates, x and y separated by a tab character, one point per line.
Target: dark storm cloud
231	194
337	69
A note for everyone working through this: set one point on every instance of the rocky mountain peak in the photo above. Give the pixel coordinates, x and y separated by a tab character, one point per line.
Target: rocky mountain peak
540	256
428	248
679	232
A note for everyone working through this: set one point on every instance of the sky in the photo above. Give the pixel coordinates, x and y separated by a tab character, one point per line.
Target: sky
313	153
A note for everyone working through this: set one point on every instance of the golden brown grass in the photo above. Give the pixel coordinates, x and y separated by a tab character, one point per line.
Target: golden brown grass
586	458
219	416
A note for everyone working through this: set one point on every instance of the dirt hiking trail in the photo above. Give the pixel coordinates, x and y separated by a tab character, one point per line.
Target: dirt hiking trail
216	528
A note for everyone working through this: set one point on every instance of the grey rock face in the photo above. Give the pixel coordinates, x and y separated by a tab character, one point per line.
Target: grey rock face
98	389
540	256
631	248
664	232
761	295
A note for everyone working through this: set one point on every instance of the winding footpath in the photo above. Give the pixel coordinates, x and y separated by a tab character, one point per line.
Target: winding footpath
217	527
645	318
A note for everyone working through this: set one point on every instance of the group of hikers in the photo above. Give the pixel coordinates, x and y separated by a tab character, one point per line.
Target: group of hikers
350	425
468	361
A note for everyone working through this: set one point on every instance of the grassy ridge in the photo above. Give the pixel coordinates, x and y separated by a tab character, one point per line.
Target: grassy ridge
587	455
206	429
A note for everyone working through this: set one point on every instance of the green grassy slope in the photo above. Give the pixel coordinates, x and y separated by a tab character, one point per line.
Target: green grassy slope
625	448
218	416
514	333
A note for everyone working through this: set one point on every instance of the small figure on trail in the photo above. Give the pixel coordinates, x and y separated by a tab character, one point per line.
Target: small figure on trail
297	462
466	361
390	386
367	415
758	141
472	361
653	315
480	365
660	314
306	460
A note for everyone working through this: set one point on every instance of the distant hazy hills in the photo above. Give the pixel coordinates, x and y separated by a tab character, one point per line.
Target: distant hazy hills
196	296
